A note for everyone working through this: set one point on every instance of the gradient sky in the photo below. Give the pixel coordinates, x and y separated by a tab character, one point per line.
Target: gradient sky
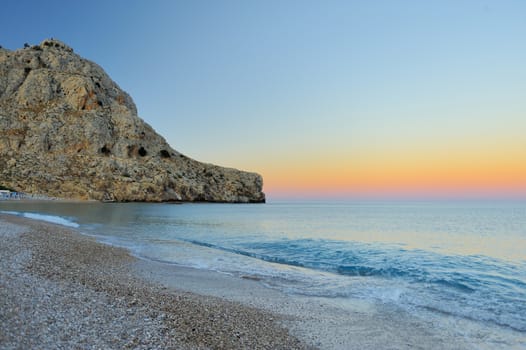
359	99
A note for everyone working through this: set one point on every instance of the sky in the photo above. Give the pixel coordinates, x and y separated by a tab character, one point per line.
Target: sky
325	99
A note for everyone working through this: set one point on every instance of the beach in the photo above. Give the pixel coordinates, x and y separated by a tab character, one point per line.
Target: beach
134	282
60	289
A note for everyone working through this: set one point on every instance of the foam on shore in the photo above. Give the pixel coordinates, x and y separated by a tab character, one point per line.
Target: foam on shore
327	323
42	217
95	300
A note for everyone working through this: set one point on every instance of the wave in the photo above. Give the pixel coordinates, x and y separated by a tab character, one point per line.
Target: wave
42	217
469	287
364	260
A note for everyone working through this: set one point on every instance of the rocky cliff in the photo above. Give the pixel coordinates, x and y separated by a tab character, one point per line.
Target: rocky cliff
67	130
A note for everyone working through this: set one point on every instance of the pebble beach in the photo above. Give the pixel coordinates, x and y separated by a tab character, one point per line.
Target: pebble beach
60	289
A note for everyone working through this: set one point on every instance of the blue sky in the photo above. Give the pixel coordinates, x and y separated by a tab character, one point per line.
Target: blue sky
287	88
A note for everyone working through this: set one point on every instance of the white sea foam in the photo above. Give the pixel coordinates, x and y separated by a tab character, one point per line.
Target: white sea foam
48	218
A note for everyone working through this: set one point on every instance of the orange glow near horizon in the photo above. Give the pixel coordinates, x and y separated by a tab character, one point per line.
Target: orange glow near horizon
479	172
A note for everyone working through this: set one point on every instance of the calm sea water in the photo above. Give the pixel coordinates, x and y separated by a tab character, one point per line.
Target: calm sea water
456	262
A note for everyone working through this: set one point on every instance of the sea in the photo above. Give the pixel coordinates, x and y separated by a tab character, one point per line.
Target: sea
458	264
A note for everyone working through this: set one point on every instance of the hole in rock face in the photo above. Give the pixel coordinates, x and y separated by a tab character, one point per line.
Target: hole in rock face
142	152
131	150
105	150
164	153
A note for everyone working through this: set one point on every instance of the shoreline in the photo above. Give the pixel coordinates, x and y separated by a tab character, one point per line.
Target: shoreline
130	302
64	289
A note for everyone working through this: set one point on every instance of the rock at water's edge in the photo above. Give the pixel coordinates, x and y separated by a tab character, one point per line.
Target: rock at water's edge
67	130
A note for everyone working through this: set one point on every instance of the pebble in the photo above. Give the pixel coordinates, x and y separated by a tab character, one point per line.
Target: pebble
62	290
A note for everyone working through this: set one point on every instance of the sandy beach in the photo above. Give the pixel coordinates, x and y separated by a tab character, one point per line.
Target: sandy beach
60	289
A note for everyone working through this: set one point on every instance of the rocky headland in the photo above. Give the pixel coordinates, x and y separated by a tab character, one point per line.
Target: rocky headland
67	130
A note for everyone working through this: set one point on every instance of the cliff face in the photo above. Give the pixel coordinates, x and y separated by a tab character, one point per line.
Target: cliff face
67	130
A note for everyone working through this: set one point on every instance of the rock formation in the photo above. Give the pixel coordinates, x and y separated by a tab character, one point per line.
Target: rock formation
67	130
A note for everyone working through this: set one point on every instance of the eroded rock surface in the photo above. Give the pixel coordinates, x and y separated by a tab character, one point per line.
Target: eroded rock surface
67	130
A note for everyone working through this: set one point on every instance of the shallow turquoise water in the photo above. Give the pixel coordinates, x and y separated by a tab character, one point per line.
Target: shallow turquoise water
462	261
